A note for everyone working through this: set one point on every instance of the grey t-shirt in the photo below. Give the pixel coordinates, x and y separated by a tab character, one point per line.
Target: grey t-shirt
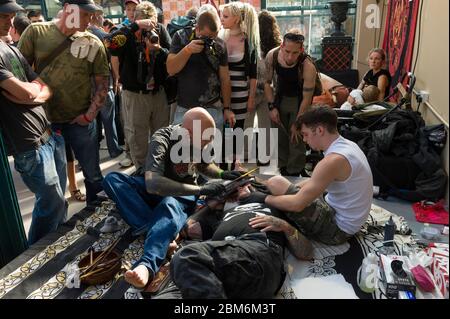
198	81
159	161
22	125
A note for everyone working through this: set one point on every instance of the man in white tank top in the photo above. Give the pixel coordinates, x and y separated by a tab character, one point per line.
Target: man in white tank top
343	173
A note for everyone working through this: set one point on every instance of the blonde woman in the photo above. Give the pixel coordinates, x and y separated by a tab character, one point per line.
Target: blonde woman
241	35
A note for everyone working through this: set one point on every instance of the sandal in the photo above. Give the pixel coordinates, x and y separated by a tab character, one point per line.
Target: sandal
78	195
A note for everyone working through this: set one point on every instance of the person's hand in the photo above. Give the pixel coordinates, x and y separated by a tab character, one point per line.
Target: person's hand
146	24
212	189
267	223
295	135
275	116
229	117
195	46
253	197
152	46
117	87
81	120
12	98
232	175
351	100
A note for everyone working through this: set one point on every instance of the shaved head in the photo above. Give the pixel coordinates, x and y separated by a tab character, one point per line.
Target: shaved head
198	116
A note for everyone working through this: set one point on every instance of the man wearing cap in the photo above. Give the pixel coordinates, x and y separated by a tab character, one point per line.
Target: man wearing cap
39	153
292	96
77	56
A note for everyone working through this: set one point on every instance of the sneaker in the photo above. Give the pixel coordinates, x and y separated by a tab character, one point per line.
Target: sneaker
126	162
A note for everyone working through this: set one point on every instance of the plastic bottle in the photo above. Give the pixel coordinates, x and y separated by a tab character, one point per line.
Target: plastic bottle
389	232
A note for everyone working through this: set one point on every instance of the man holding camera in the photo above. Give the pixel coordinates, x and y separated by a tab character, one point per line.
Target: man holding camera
199	59
142	48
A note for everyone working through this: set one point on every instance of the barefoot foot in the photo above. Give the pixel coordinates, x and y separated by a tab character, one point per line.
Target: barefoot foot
138	277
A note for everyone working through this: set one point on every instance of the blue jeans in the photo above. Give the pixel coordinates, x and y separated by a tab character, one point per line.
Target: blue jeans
108	114
43	170
83	140
160	217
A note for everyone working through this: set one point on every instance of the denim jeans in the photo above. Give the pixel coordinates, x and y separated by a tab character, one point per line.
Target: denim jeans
43	170
83	140
216	113
108	114
160	217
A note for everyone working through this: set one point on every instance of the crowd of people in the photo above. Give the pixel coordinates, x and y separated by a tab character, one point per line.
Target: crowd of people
60	80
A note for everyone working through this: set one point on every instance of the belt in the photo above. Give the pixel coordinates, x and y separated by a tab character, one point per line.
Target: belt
45	136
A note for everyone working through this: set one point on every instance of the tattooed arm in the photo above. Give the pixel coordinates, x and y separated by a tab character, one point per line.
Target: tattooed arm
309	83
158	184
298	244
210	170
97	101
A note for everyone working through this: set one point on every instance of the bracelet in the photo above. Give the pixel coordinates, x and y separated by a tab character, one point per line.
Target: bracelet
86	118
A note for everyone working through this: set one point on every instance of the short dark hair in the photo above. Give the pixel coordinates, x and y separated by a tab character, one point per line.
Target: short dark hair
207	19
294	35
34	13
319	115
20	23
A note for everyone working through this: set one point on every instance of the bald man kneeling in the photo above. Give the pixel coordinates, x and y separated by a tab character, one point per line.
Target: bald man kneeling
159	203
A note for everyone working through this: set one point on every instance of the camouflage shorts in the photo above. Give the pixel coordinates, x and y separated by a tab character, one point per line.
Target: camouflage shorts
317	221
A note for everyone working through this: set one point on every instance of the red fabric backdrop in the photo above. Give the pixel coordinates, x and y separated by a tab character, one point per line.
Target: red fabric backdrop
399	36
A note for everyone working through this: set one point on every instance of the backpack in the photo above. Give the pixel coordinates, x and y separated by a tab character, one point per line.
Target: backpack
180	23
318	90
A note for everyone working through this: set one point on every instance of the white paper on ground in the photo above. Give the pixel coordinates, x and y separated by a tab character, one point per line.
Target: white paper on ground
329	287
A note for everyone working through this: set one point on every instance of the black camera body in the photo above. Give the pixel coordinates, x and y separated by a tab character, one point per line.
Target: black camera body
208	43
151	35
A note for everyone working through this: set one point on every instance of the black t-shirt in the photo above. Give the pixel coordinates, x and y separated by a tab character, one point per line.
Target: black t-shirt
235	222
198	81
372	79
123	44
159	161
22	125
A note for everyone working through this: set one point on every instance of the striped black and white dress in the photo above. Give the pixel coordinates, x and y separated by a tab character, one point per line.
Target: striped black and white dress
239	87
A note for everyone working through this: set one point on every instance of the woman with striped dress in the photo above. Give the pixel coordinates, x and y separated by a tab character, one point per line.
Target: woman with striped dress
241	35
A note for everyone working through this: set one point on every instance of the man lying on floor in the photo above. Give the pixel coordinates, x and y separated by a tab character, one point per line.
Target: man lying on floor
243	257
158	204
344	173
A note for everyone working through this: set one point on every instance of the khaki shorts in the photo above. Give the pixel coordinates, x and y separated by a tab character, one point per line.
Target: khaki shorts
317	221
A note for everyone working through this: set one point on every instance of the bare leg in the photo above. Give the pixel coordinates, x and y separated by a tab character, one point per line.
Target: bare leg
138	277
71	175
73	187
278	185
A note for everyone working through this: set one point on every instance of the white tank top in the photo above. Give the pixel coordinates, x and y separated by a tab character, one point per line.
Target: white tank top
351	198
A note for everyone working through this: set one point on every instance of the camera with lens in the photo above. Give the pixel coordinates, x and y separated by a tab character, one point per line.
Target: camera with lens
208	43
151	35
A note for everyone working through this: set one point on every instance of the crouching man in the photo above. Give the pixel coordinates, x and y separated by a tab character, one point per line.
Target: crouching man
344	173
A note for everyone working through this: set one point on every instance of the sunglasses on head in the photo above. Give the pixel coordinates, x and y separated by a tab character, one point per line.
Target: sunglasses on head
295	37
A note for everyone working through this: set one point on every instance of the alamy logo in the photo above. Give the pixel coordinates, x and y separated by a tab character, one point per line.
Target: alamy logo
373	19
209	145
73	17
